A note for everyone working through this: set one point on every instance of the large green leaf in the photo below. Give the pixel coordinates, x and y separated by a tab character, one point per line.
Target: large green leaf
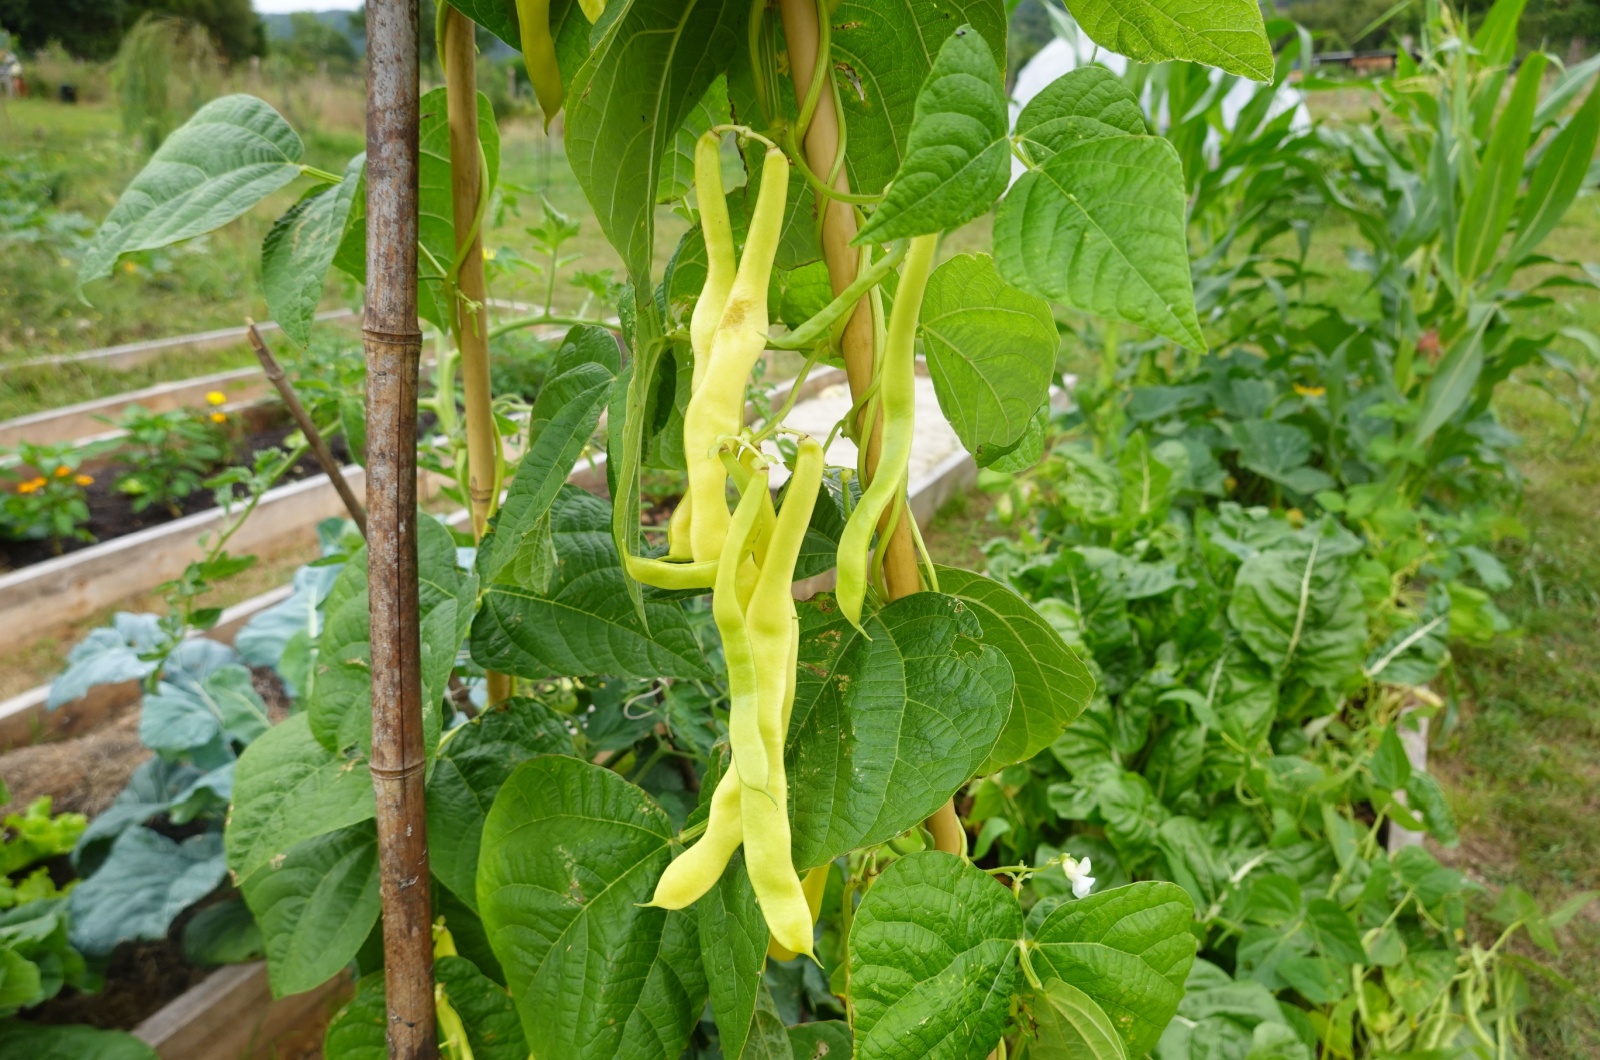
1129	949
474	760
888	724
570	851
358	1031
340	701
145	882
233	153
1280	451
1225	33
733	948
1089	103
584	623
41	1041
1052	684
184	715
1101	227
1489	208
815	1041
883	51
991	351
933	961
435	206
677	168
298	250
1562	169
316	905
1298	608
958	155
626	104
494	1031
768	1038
288	788
1068	1025
562	421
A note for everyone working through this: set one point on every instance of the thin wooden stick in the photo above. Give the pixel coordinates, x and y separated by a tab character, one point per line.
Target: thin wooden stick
319	448
393	342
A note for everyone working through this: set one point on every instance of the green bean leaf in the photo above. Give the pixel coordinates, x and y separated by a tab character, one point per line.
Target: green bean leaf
1101	227
733	948
958	155
991	351
474	761
584	623
883	51
888	725
1129	950
298	250
933	960
570	851
316	905
1089	103
1228	34
220	163
1068	1025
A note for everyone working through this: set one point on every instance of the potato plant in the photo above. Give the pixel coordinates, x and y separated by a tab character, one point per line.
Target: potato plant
591	905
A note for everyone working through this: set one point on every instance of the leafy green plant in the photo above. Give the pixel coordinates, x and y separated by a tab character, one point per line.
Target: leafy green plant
47	500
169	455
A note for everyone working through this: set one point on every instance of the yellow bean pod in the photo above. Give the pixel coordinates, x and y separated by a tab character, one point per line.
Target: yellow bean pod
539	55
696	870
716	408
750	752
814	885
898	401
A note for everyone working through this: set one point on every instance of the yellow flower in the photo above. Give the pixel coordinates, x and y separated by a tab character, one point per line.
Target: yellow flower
31	486
63	471
1310	391
488	253
84	480
219	417
129	267
216	397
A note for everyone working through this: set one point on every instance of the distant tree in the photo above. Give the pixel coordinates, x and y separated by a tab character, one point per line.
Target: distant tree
313	42
93	29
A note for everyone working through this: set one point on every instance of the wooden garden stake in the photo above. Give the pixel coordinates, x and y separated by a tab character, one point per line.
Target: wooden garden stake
393	344
459	52
900	569
302	419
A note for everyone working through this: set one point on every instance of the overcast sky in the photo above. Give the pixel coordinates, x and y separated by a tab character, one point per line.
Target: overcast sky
271	7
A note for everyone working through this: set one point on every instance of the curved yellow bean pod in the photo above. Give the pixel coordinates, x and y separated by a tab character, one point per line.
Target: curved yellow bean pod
539	55
750	753
697	869
814	885
899	400
717	407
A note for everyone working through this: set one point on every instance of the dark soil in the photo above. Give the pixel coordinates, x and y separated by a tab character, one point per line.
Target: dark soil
140	978
111	513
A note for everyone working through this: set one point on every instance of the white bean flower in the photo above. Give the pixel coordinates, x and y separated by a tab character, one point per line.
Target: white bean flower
1078	873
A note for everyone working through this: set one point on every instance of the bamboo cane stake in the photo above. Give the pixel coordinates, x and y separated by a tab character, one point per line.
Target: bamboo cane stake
302	419
393	342
900	569
459	51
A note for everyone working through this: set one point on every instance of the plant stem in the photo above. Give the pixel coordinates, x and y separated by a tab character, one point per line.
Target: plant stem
470	317
801	28
534	321
393	345
302	419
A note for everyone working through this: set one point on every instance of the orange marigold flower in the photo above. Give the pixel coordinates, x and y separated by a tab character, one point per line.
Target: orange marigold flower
84	480
219	417
216	397
62	471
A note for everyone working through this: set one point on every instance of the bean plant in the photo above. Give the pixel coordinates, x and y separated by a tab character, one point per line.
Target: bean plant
666	825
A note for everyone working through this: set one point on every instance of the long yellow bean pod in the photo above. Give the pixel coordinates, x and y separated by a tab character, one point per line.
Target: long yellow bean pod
539	55
814	885
697	869
717	230
750	753
898	401
717	407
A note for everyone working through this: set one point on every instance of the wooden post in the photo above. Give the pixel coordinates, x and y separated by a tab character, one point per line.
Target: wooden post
393	342
900	569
